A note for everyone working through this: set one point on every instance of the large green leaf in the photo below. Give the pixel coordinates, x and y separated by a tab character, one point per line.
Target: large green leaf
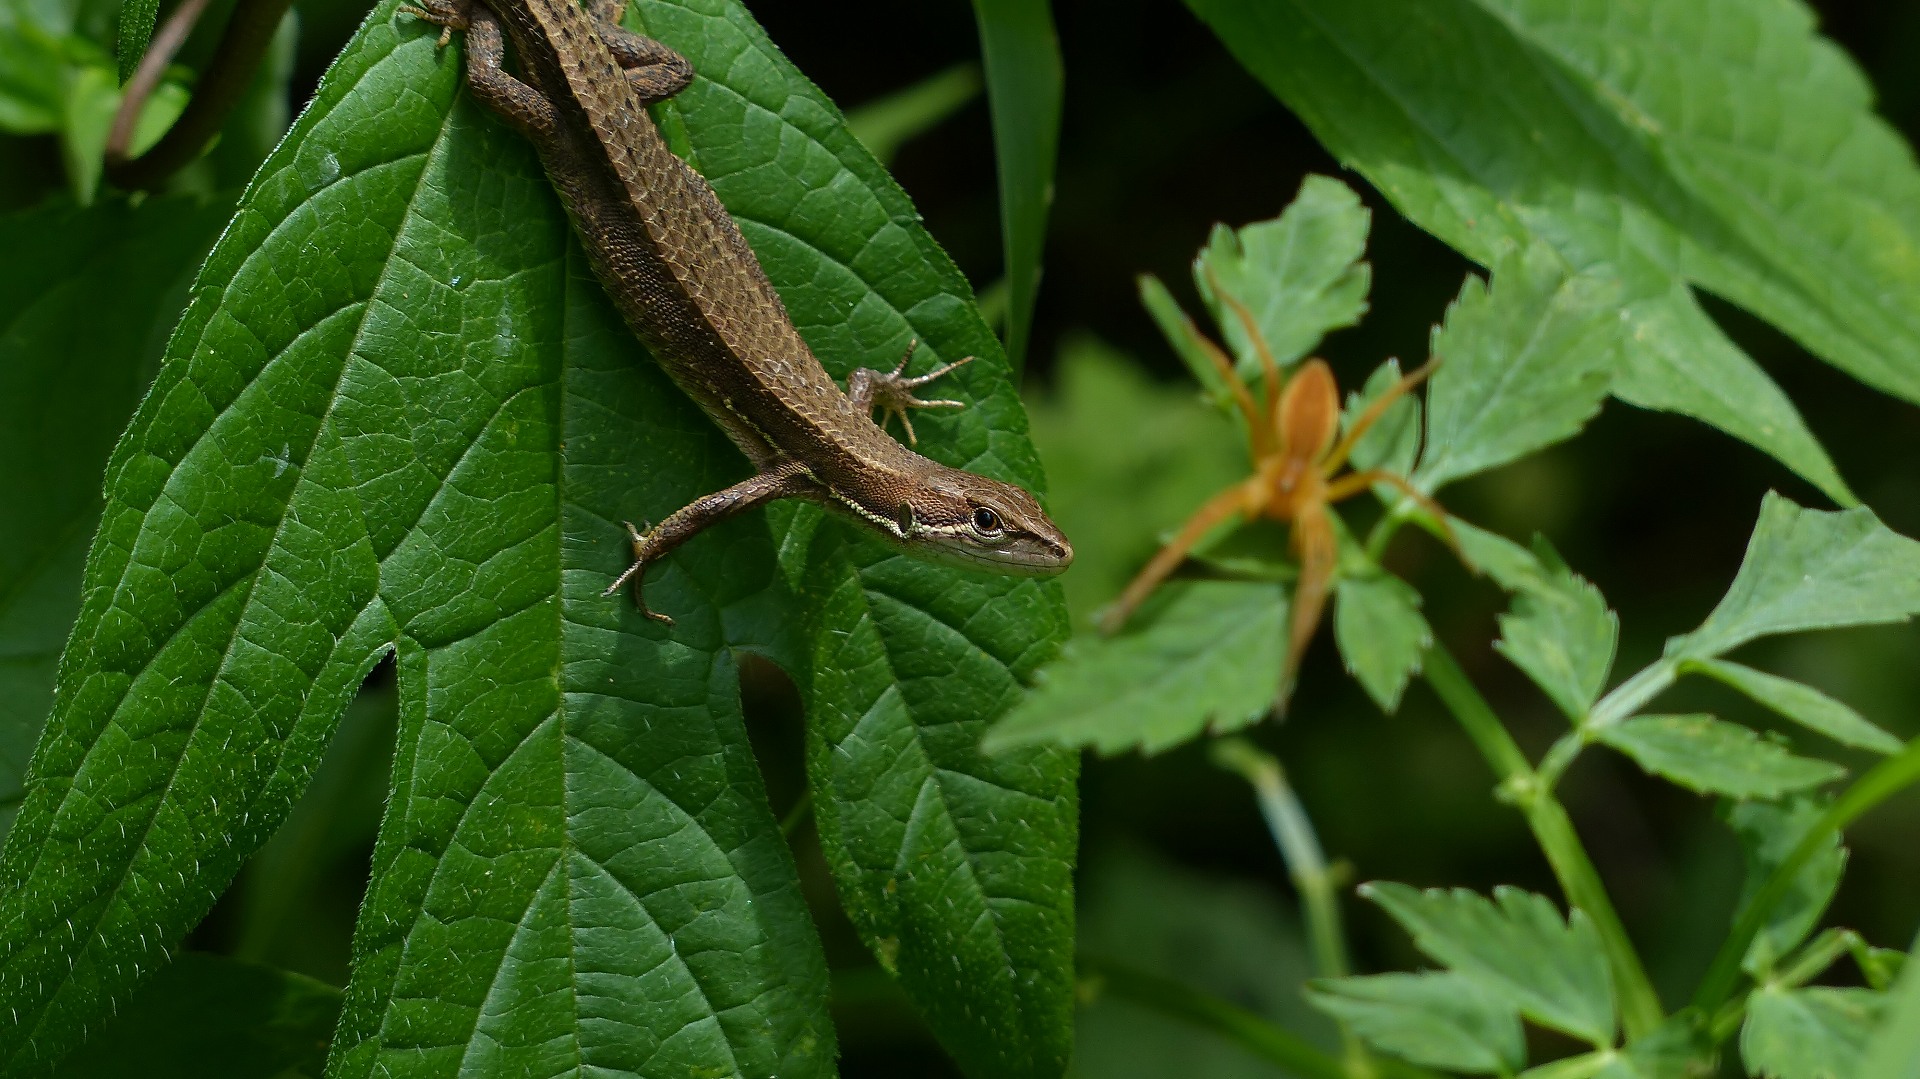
70	380
355	446
1753	168
1515	946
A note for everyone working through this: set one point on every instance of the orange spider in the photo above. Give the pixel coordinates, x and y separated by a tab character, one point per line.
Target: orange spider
1295	461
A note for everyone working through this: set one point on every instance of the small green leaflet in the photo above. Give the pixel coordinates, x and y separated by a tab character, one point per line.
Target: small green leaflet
1381	633
1511	566
1561	633
1895	1051
1516	946
1817	1033
1768	833
1715	757
1203	655
1523	365
1438	1019
1299	275
1800	703
1393	442
1811	569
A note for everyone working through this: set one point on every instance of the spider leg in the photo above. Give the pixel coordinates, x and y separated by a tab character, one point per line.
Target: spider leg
1252	330
1338	455
1355	482
1243	497
1242	398
1318	551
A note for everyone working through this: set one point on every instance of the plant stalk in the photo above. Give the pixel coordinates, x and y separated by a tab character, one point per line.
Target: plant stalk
1639	1004
1886	779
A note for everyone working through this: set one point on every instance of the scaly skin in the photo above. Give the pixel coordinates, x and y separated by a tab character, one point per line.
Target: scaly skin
687	283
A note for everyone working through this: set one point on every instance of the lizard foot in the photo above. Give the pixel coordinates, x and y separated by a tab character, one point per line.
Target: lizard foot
637	574
892	392
448	15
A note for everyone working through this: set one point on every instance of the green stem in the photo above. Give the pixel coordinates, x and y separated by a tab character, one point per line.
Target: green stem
1306	864
1553	830
1825	950
1245	1029
1299	849
1886	779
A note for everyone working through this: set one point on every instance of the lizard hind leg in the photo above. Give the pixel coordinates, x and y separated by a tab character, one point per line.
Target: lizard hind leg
892	391
655	71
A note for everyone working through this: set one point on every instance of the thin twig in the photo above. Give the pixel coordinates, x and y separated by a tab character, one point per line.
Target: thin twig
235	61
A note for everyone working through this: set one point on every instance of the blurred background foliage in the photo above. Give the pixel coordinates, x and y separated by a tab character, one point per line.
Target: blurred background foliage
1164	135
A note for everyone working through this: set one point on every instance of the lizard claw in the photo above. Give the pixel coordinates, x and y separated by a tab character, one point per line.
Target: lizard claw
892	392
637	573
448	15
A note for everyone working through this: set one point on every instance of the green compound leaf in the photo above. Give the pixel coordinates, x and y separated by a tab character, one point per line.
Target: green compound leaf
1381	633
1769	832
578	863
1515	946
1811	569
1562	634
1438	1019
1299	275
1201	656
1713	756
1523	365
1756	169
256	1022
1802	704
73	374
1817	1033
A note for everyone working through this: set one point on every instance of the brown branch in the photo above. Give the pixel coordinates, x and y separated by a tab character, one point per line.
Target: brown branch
235	61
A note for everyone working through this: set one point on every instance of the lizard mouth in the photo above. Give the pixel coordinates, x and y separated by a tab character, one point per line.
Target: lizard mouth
1033	559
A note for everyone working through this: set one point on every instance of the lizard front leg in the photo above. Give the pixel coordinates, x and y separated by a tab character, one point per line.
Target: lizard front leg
781	481
892	391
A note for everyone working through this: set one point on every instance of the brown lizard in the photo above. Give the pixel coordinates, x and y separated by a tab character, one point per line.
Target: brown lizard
682	275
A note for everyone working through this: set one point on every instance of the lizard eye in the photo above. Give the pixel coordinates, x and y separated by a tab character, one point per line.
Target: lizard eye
986	522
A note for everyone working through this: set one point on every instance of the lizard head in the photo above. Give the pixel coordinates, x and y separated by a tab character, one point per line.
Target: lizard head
968	520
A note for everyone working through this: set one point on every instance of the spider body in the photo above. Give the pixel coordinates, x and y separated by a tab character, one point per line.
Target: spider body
1297	452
